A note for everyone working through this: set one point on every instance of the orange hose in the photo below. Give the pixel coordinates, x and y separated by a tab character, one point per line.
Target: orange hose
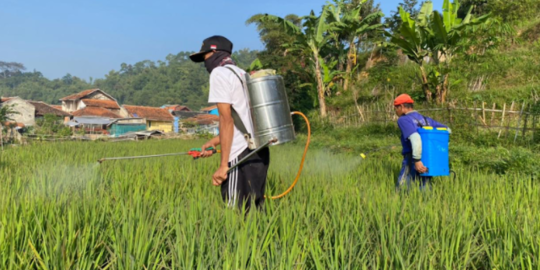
301	163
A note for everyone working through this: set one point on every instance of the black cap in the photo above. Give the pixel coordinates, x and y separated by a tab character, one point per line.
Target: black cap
213	43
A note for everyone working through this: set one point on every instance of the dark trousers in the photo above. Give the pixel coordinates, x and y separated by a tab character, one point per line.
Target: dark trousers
246	183
408	175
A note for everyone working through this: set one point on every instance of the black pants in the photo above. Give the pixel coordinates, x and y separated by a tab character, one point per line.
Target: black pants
247	182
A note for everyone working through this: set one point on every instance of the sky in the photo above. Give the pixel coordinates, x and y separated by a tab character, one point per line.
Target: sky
90	38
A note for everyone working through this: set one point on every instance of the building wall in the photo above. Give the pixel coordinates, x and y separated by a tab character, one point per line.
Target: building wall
123	112
176	126
26	111
98	95
159	125
119	129
69	105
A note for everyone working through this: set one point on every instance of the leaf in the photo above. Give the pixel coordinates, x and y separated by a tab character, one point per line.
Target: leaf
425	13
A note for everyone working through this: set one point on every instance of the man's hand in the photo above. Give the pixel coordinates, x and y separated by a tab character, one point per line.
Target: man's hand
220	175
419	166
205	146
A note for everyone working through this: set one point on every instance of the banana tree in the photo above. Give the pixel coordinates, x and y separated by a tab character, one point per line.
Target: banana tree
6	114
349	24
310	40
436	38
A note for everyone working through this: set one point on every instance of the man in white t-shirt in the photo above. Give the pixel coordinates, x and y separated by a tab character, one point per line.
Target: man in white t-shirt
246	183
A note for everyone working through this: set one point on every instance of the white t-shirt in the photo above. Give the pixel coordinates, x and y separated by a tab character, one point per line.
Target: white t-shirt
226	88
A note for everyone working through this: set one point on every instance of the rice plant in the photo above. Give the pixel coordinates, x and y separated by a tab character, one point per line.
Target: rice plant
60	209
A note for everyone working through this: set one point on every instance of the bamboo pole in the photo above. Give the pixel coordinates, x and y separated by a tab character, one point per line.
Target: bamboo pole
484	113
476	118
492	114
534	127
519	120
525	121
509	120
502	121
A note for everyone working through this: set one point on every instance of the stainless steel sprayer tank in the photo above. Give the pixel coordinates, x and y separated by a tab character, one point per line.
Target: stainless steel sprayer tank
270	110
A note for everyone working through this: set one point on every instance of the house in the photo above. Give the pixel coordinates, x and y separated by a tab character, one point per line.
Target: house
25	111
173	109
120	127
96	112
94	98
176	108
43	109
208	123
91	124
28	111
210	110
156	118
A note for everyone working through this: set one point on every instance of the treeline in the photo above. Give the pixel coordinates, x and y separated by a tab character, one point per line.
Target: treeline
345	54
176	80
350	52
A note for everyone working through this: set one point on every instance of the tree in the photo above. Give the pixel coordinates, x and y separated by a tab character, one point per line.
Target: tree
350	26
394	21
8	69
506	11
437	37
6	112
310	40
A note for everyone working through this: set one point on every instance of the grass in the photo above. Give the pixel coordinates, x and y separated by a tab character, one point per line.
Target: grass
59	209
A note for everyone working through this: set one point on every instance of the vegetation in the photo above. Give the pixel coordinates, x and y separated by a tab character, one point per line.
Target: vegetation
175	80
64	211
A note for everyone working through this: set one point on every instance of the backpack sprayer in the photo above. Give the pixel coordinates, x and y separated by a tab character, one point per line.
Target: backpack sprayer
271	116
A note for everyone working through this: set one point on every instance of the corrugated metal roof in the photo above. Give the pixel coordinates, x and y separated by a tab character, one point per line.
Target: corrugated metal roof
93	120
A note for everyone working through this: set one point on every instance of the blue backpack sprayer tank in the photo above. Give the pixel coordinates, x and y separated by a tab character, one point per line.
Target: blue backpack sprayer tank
435	150
271	117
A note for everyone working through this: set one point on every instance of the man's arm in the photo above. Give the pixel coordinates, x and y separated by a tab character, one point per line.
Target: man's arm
416	144
211	143
226	133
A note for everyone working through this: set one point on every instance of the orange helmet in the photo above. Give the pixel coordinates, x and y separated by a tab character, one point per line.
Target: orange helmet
402	99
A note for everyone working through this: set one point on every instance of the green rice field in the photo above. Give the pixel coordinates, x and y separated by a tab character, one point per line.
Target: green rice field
60	209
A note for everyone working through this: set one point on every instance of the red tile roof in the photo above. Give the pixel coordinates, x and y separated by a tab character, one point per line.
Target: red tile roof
44	108
108	104
150	113
95	111
85	93
80	94
58	107
203	119
209	108
15	124
208	116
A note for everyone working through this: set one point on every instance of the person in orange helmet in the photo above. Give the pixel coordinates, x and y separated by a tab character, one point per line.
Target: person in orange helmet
409	121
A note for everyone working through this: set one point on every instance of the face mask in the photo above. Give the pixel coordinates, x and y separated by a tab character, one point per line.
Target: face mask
219	58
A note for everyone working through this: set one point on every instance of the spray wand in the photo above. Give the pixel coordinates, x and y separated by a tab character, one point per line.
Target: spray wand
363	155
194	152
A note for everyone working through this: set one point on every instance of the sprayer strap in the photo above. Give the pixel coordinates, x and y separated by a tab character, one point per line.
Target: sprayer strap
236	118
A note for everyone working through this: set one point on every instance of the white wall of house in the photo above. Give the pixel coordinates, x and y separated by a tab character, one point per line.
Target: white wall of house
80	105
123	112
26	111
69	105
98	95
